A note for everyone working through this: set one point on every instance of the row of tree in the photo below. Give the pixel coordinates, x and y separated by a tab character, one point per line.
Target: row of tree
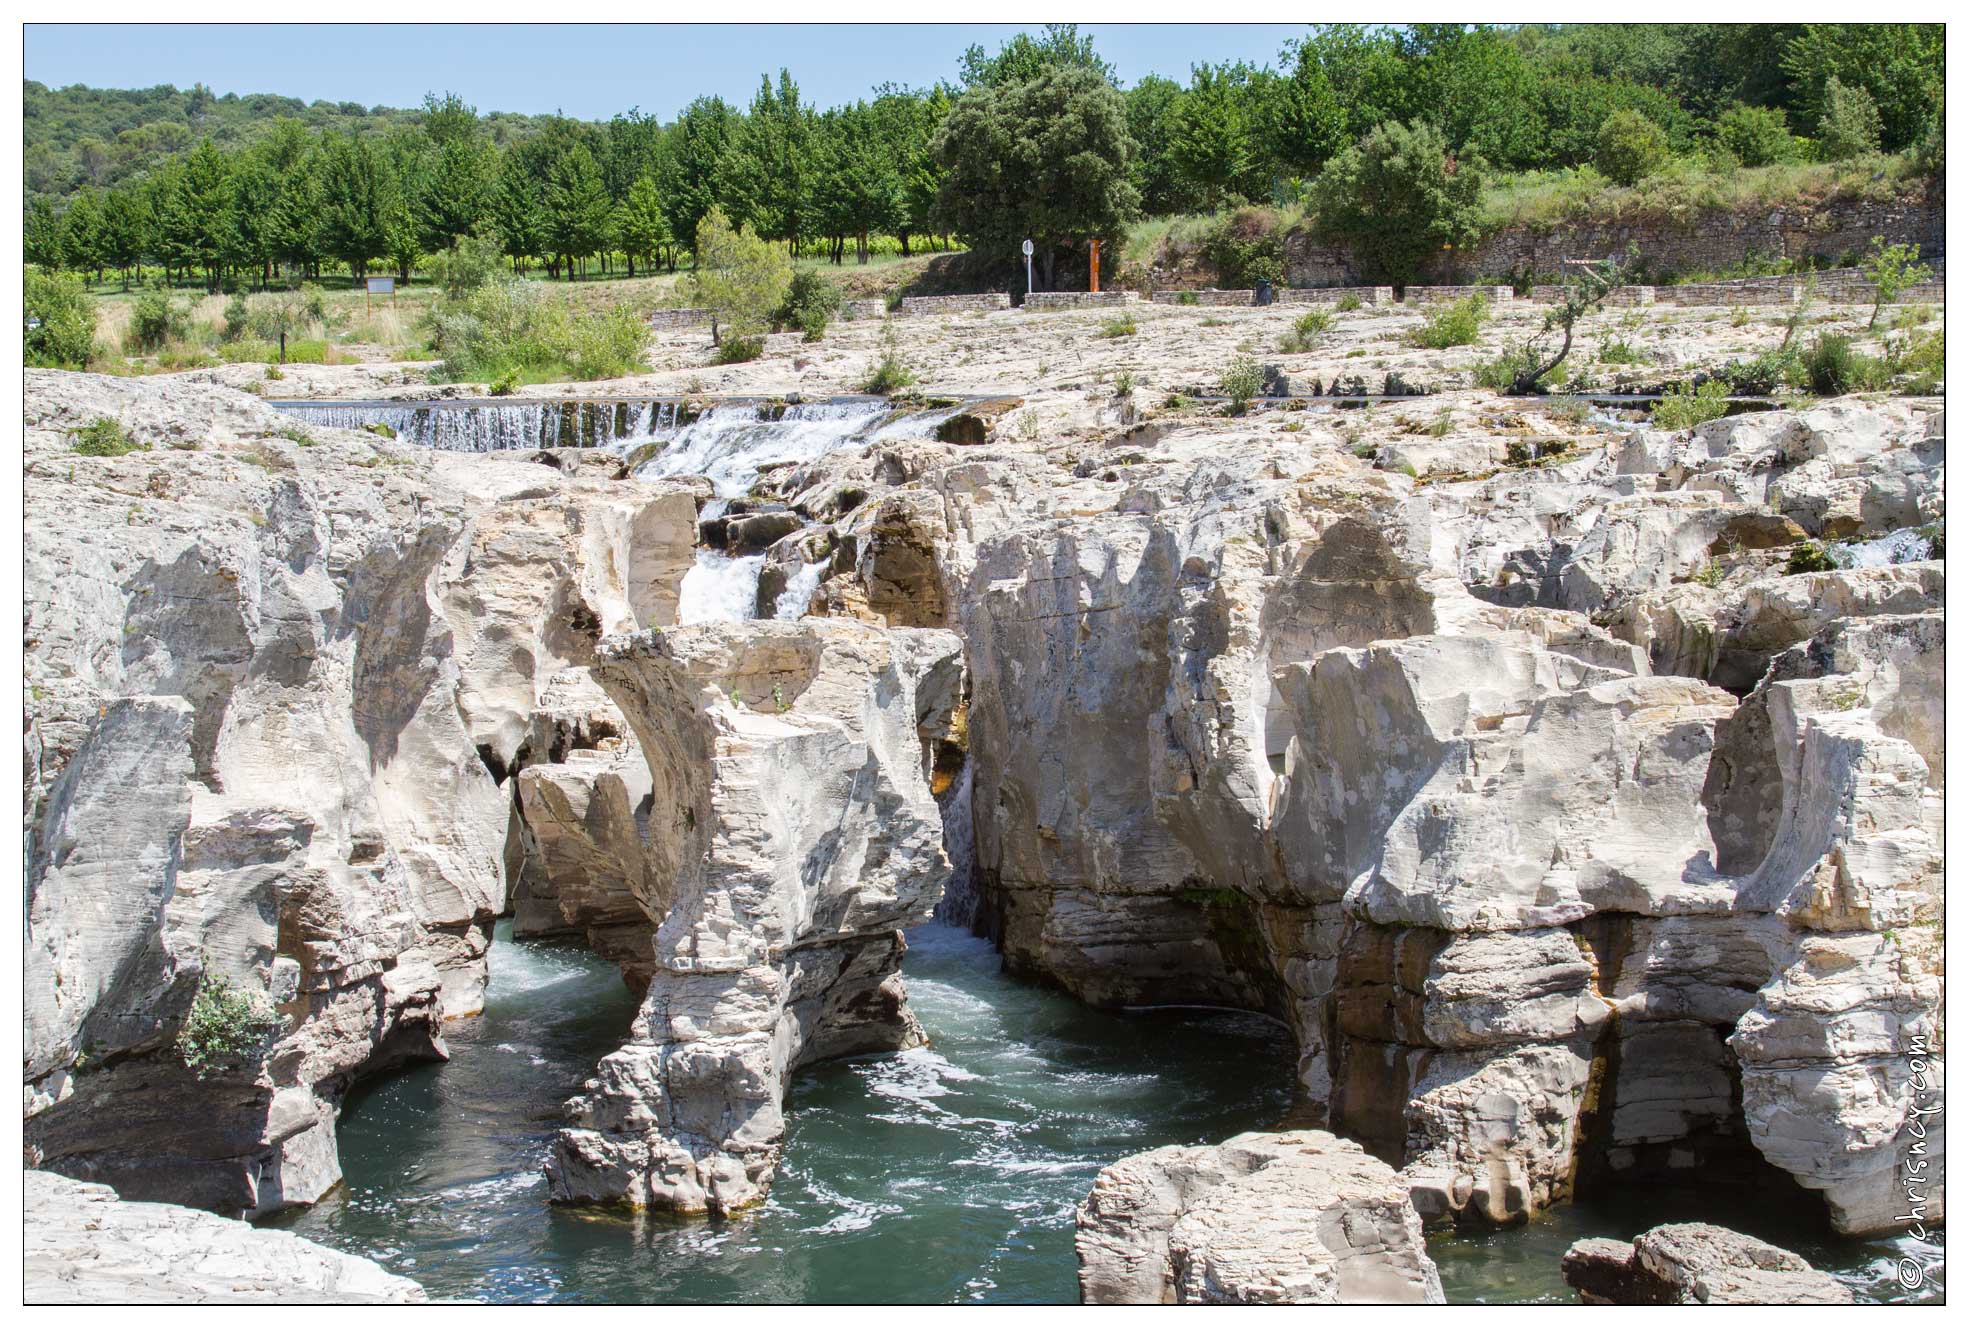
1013	148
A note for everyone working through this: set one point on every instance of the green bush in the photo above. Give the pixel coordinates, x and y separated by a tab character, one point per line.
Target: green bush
607	345
1306	331
1397	197
104	437
890	373
1616	352
66	337
1242	382
1756	135
813	324
1630	147
1850	125
1809	557
226	1029
471	262
1347	304
735	350
1763	374
1892	269
1247	248
1832	367
808	293
1452	325
237	315
1502	371
156	317
1685	406
1122	325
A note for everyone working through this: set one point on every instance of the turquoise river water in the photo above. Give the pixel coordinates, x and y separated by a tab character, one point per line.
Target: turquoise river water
944	1174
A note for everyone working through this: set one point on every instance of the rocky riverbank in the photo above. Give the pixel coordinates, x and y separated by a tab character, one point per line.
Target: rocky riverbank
87	1247
1577	836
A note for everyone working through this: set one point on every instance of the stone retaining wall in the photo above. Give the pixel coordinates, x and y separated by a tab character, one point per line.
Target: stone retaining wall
662	320
1040	302
861	309
914	305
1323	295
1441	295
1708	242
1209	297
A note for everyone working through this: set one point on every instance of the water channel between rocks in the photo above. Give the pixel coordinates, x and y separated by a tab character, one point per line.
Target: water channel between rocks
947	1173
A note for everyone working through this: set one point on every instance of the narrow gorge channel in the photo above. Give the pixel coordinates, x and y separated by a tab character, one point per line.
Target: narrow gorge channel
945	1173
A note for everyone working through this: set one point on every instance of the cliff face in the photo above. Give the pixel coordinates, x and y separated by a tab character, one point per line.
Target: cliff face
1444	777
269	685
1573	839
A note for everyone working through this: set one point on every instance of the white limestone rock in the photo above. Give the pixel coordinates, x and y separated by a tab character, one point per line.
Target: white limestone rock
85	1246
791	808
1299	1218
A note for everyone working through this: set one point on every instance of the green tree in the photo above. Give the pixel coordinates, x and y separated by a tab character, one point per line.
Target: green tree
1396	197
42	236
126	233
1048	159
1897	65
515	211
1892	269
698	162
1756	135
577	208
739	277
82	234
356	199
206	200
1211	142
1630	148
641	229
767	181
65	314
1025	57
1850	123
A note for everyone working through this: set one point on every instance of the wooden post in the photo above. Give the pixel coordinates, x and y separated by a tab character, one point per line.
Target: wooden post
1094	265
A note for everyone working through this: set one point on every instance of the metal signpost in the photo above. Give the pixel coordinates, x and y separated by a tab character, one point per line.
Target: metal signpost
1026	248
378	286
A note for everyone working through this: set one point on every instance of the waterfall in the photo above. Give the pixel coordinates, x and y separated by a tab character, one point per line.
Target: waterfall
488	426
799	592
720	588
733	443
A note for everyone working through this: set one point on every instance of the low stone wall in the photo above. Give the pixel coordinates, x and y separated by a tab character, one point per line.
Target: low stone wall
663	320
1441	295
1040	302
861	309
1209	297
1331	295
1619	295
914	305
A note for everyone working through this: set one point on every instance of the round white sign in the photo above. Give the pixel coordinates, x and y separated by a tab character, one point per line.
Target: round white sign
1027	248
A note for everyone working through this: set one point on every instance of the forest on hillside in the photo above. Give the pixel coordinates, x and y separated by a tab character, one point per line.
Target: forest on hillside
1035	139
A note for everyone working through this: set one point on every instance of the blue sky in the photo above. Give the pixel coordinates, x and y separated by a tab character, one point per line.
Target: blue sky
586	71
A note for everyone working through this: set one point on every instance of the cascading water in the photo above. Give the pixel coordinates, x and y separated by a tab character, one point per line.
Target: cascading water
732	445
482	426
1907	545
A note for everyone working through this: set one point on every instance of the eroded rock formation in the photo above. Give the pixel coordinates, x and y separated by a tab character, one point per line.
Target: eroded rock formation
272	689
1297	1218
1696	1264
791	817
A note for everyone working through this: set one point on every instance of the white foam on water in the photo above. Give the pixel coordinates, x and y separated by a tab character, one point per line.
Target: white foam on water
730	445
1906	545
719	588
799	592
